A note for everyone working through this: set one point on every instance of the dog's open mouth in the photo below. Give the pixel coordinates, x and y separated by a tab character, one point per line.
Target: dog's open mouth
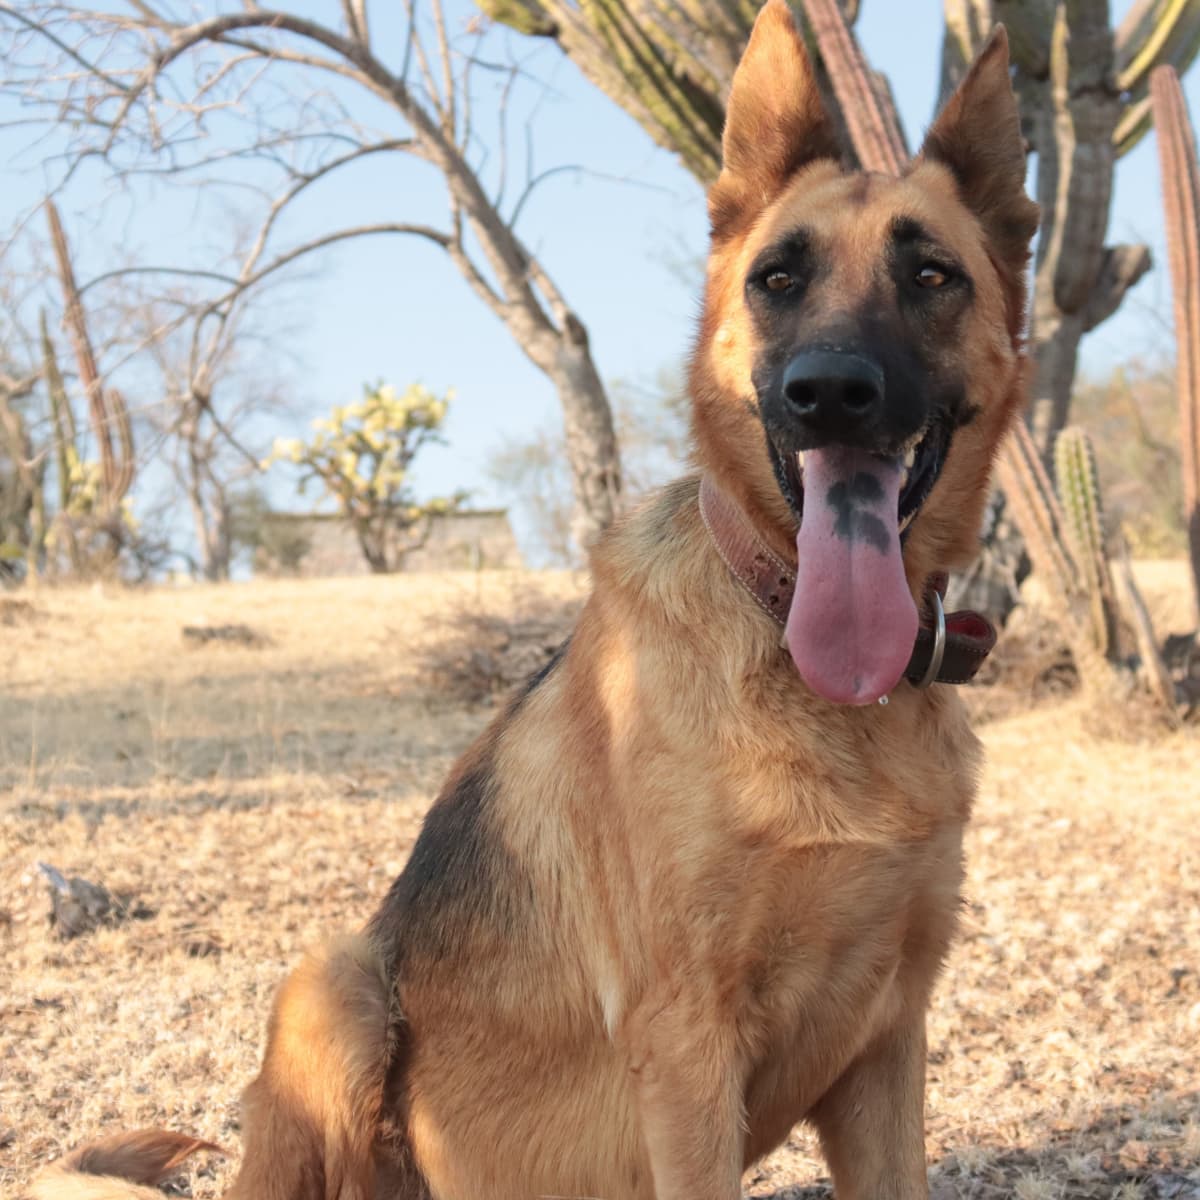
922	463
852	621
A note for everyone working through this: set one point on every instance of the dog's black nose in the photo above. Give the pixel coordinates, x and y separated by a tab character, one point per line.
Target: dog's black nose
832	391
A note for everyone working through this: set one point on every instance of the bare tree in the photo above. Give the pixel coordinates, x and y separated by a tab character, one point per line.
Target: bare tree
208	390
194	380
148	90
529	469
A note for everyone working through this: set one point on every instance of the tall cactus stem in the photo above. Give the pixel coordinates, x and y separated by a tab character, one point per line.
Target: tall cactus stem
76	322
1152	34
118	411
1037	511
1042	523
1079	494
1181	200
62	419
870	117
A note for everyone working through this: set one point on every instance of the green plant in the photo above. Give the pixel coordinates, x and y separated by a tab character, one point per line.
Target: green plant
1043	523
361	455
1078	486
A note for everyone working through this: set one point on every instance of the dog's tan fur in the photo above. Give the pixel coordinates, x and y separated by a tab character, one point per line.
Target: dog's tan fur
672	902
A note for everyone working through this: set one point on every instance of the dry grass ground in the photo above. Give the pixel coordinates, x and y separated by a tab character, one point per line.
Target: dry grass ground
255	799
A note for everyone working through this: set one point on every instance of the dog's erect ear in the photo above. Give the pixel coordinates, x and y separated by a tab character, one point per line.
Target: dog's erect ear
977	135
774	124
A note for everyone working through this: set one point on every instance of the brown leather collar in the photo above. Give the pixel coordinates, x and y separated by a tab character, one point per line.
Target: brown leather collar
967	638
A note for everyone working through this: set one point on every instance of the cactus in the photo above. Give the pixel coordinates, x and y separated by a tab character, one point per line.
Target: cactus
1038	515
1083	88
118	412
62	419
1065	540
90	499
869	114
106	408
29	469
1043	524
1154	34
1181	199
1079	494
668	66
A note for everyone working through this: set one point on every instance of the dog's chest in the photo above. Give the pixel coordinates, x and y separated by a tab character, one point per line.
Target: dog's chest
849	923
844	939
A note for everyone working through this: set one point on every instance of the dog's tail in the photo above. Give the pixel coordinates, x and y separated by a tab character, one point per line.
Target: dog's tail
114	1167
310	1118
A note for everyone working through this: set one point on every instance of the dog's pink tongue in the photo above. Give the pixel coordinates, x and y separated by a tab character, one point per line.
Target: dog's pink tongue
852	622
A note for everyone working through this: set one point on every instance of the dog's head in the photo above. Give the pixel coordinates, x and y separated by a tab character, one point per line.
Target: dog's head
859	355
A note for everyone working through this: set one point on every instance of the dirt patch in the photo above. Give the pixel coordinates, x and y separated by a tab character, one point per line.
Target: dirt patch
223	635
15	611
258	800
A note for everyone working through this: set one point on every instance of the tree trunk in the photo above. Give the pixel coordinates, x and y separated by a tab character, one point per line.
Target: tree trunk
217	566
372	541
590	436
206	536
208	502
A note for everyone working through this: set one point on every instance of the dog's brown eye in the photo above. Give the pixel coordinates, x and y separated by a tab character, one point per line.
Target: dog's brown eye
778	281
930	276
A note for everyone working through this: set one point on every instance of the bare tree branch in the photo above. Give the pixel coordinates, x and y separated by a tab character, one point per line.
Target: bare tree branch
42	31
355	12
126	272
152	118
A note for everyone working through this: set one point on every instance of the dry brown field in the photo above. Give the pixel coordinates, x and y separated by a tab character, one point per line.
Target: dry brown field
252	800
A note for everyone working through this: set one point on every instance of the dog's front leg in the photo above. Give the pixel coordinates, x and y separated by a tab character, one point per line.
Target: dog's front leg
872	1121
689	1102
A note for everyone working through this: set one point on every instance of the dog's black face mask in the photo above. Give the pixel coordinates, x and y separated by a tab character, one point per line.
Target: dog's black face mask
869	380
859	400
864	317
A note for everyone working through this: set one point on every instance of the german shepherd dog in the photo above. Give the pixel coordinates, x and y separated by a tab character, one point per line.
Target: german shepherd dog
694	885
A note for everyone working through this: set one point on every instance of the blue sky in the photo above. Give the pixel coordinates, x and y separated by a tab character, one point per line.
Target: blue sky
395	310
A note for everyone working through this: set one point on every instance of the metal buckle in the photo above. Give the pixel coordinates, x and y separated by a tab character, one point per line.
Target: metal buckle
939	643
